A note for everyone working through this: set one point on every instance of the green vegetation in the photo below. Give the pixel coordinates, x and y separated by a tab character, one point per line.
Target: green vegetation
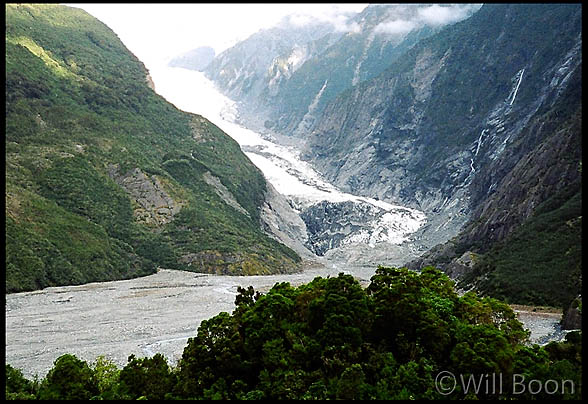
540	263
333	339
77	105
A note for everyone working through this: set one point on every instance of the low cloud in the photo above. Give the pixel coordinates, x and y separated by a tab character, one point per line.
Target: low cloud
395	27
432	15
342	24
336	15
437	15
403	17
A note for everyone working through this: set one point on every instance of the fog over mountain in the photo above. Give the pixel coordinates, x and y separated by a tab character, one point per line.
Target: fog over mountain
195	59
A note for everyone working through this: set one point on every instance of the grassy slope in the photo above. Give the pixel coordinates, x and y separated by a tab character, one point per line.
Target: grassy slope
77	101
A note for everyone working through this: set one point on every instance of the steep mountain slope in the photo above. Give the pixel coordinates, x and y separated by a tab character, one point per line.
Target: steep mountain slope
480	120
292	87
104	178
523	241
383	33
241	71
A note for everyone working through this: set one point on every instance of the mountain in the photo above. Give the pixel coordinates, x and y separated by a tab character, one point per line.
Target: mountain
474	120
104	178
477	125
241	71
383	33
195	59
293	87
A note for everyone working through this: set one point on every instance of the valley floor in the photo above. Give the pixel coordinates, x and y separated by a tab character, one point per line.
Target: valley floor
156	313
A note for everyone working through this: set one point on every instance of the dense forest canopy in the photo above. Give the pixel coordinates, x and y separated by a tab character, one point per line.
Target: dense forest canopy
105	179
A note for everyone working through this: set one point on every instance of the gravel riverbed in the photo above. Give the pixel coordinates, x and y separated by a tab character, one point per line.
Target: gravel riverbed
143	316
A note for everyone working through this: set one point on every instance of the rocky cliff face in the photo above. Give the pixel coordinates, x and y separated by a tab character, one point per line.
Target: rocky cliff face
282	221
152	204
241	72
531	216
439	129
572	318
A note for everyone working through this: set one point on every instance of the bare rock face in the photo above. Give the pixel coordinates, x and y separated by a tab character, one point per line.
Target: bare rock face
282	222
223	192
153	205
462	265
572	319
150	82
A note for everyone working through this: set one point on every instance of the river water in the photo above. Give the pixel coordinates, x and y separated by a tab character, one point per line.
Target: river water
158	313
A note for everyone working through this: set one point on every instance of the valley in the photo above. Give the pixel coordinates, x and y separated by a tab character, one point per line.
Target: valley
341	228
40	325
401	184
141	316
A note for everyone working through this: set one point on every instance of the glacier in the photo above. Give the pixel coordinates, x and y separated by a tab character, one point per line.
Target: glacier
282	166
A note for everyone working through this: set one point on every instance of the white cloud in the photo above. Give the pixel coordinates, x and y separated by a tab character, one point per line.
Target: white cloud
433	15
336	15
395	27
342	24
436	15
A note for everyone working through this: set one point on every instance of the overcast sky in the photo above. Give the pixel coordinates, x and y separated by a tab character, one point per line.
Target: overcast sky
157	32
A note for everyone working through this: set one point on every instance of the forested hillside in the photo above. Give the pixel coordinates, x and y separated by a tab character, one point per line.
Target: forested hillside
104	178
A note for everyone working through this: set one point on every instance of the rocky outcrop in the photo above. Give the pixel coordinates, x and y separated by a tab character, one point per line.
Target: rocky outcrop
572	319
153	205
223	192
282	221
150	82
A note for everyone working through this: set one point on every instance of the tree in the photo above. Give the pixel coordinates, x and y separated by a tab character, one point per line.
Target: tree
147	377
69	379
17	386
107	376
